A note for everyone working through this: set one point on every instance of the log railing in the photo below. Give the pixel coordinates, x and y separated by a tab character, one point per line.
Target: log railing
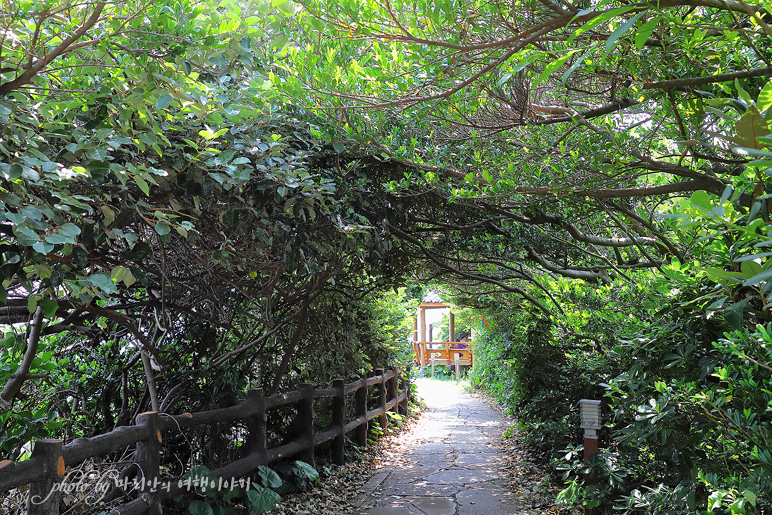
46	467
444	353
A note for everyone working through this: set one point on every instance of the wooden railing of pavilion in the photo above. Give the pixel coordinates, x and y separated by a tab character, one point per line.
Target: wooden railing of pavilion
444	353
50	458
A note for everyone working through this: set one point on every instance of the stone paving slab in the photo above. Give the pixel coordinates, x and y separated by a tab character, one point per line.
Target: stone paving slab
454	466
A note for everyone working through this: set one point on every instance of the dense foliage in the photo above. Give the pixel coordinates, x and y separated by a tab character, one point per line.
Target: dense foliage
199	196
170	233
622	144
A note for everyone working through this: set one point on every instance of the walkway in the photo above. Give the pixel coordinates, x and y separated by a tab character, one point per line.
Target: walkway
451	464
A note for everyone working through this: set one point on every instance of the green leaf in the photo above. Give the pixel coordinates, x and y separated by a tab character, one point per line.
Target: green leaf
701	199
553	66
504	79
262	499
749	495
163	101
269	478
738	507
49	307
734	315
752	257
58	239
117	142
99	154
597	20
764	101
65	234
612	39
142	183
756	279
750	268
643	33
25	236
14	171
572	69
32	303
104	283
305	471
162	228
280	41
569	495
9	198
742	93
200	508
749	127
745	151
109	215
36	214
69	229
122	274
718	273
43	247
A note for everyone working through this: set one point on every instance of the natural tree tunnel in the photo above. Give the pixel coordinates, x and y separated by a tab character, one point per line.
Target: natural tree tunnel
199	199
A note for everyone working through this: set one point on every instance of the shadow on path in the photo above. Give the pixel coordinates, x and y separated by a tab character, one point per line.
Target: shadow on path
450	463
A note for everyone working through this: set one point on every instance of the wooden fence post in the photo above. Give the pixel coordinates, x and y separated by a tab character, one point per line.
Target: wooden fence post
393	391
405	387
360	404
339	421
148	459
43	500
257	441
306	420
382	418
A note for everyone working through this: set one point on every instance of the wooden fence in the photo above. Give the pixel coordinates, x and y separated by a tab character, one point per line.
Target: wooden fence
46	467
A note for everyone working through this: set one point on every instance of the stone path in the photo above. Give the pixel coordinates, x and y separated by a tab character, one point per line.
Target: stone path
451	464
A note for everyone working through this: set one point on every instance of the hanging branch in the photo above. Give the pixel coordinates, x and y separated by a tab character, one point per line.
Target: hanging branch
13	385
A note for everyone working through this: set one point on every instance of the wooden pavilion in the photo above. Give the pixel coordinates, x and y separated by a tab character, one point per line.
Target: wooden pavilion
451	352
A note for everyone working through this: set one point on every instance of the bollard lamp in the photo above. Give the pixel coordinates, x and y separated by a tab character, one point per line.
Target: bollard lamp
590	413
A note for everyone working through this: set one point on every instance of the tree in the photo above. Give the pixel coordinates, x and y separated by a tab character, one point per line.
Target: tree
168	232
560	128
596	141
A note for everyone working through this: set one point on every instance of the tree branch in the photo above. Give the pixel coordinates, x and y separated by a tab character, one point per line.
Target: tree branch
15	382
33	69
691	82
565	272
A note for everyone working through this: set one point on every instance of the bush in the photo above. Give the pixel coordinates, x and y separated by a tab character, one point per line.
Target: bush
522	363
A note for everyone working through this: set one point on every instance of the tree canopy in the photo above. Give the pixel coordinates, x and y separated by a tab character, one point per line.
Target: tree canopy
160	208
564	133
196	195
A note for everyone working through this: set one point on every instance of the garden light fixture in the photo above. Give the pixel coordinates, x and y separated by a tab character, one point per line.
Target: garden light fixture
590	413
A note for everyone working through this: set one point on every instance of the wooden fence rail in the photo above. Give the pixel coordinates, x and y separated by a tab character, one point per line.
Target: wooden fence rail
46	467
